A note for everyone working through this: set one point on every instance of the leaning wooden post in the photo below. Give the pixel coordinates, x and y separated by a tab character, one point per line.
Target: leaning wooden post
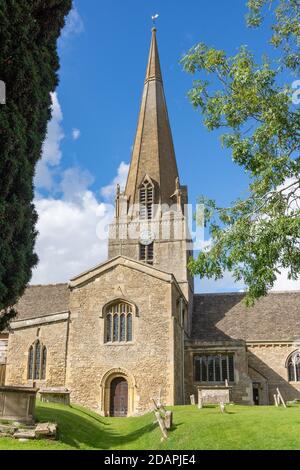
169	420
280	397
275	400
161	424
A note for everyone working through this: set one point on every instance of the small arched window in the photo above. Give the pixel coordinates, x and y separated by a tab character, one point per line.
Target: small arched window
37	361
146	200
118	323
293	366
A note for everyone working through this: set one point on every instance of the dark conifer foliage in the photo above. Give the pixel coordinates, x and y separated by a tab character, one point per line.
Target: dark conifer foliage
29	62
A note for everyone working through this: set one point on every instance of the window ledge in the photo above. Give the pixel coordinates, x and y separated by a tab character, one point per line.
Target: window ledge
125	343
214	384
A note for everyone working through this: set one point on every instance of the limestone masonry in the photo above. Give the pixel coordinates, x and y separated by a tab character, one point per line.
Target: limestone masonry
132	329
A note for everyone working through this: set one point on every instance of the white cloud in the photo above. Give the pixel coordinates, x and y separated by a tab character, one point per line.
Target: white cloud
51	154
68	243
76	134
74	182
109	191
284	284
72	221
74	24
72	230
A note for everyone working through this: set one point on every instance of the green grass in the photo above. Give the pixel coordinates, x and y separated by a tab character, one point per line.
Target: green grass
240	428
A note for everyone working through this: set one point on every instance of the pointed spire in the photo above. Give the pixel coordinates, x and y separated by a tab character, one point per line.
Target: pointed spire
153	151
153	69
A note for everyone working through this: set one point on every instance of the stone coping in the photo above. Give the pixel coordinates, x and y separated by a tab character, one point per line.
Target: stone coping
31	322
51	391
214	387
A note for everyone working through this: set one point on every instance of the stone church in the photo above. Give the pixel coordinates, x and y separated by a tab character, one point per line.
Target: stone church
132	328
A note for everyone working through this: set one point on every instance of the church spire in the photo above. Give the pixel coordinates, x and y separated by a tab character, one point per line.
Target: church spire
153	68
153	152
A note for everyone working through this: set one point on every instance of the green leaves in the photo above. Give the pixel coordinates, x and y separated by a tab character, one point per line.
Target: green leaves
28	66
286	31
255	237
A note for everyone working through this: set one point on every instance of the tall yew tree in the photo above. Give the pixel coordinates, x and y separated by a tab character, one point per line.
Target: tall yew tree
257	105
29	62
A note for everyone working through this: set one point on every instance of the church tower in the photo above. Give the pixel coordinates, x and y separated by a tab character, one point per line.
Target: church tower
150	225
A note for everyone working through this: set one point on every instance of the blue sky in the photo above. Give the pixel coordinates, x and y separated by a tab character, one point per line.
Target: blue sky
103	53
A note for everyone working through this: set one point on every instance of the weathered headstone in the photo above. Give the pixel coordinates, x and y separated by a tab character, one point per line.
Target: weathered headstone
192	398
46	431
18	404
222	407
24	434
200	400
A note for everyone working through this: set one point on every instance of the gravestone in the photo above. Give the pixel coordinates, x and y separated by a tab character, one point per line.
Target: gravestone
18	404
55	395
215	395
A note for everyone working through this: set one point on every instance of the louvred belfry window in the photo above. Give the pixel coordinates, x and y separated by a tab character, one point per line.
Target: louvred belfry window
146	200
147	253
118	323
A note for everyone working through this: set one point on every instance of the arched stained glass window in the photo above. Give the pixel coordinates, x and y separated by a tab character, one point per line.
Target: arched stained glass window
37	361
119	323
123	328
116	328
30	363
293	367
44	363
109	328
129	327
37	368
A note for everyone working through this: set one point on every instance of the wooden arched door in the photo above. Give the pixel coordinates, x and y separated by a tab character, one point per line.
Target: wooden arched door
119	397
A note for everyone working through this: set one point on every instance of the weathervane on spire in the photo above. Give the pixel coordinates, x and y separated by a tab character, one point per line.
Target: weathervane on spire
154	18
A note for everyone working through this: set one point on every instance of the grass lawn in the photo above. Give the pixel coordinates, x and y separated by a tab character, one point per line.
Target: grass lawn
240	428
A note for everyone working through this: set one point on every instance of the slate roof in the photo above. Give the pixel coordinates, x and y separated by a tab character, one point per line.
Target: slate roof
221	317
40	301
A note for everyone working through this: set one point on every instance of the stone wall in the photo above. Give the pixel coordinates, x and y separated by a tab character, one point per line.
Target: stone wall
267	365
148	361
241	388
52	335
3	348
178	335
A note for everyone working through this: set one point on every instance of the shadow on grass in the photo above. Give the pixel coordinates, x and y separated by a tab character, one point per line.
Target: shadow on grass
79	428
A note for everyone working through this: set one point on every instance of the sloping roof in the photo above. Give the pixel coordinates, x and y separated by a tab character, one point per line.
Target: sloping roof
221	317
40	301
96	271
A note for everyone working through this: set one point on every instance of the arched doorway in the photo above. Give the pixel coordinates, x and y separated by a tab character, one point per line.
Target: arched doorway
119	397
